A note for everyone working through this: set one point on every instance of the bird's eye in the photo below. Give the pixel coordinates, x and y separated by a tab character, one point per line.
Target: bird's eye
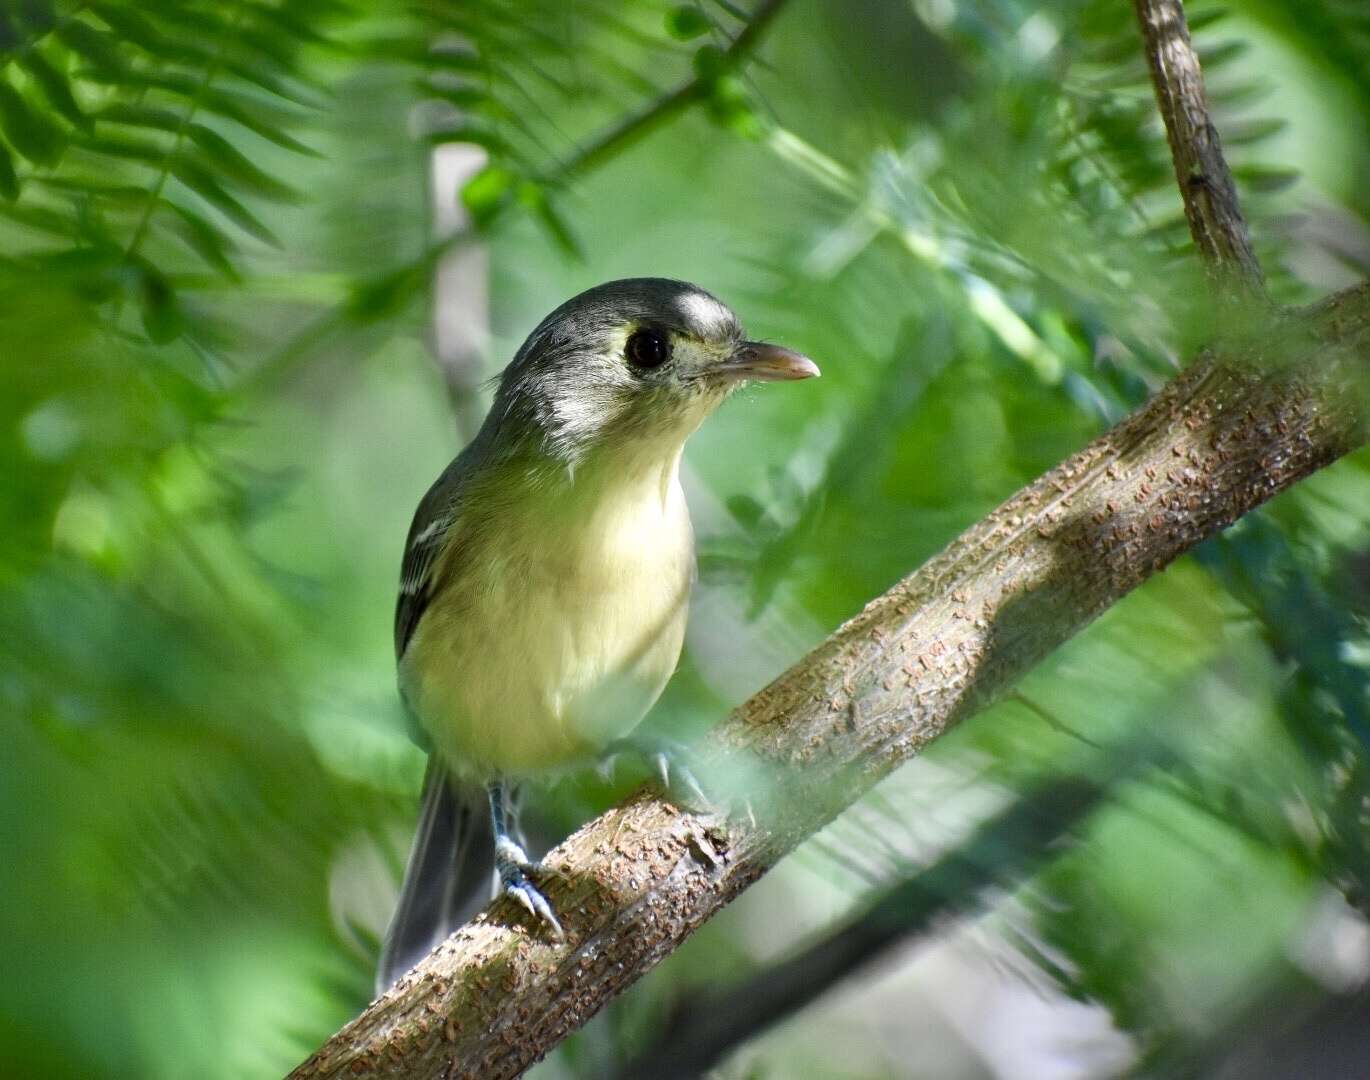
647	349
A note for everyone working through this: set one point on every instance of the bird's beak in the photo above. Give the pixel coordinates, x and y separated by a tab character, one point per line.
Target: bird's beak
767	363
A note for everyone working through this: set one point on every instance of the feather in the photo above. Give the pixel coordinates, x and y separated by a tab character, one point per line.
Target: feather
447	876
430	534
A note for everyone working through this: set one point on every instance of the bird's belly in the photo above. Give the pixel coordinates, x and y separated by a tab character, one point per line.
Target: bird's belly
546	656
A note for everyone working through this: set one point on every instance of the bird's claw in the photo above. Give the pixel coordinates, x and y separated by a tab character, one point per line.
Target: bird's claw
670	759
668	762
523	892
516	874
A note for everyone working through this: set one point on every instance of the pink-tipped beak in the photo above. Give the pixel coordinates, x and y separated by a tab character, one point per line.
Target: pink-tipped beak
765	363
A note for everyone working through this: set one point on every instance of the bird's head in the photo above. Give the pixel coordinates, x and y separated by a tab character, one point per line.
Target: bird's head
631	363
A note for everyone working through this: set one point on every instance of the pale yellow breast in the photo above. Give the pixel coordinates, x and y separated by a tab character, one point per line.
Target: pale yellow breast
559	625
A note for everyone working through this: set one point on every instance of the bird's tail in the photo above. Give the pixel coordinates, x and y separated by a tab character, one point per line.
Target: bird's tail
448	875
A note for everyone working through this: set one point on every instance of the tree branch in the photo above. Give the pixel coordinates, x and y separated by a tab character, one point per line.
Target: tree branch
1013	844
1244	422
1210	196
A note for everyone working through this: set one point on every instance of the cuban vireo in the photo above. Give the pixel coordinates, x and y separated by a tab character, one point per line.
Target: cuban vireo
547	574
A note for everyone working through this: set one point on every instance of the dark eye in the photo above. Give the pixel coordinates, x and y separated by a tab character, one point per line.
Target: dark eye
647	349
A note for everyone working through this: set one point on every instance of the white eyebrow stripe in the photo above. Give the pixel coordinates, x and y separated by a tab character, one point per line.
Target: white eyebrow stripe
706	313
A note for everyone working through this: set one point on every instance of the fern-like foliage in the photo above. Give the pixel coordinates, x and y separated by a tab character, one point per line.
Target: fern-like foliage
546	89
138	139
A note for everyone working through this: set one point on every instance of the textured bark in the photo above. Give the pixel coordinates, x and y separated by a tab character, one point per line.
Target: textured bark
1210	196
1016	842
1240	425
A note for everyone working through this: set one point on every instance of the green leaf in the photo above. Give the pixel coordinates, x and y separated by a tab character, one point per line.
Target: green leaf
133	28
280	49
27	129
203	41
222	27
54	86
746	510
283	20
708	62
162	316
1265	178
136	114
9	182
234	165
730	105
203	238
249	113
196	177
687	22
259	75
258	117
1245	132
487	191
121	146
90	272
1214	57
383	296
97	47
224	106
42	218
534	197
1200	20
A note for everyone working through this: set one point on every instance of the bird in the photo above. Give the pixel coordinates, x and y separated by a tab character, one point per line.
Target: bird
546	577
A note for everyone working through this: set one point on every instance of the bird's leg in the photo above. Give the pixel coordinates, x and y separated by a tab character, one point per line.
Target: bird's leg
513	804
516	871
672	761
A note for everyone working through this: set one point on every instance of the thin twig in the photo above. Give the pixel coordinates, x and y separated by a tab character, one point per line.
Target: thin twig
631	128
1206	185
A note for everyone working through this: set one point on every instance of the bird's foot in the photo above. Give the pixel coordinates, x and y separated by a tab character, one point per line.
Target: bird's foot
673	764
516	879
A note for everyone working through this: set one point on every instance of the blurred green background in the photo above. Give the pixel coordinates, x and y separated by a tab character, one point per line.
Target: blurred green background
227	231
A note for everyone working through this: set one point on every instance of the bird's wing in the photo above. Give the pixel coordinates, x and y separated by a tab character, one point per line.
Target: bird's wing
429	535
